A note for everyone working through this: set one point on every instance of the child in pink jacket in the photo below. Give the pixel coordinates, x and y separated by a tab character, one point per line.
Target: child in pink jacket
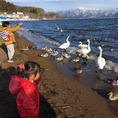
25	86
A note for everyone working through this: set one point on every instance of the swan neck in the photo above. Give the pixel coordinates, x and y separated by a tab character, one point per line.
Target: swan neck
100	53
89	45
67	40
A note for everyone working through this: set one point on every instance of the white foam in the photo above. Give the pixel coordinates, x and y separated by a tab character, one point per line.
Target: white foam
24	29
109	65
72	50
38	40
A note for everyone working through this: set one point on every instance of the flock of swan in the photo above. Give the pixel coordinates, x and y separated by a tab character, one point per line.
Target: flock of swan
83	50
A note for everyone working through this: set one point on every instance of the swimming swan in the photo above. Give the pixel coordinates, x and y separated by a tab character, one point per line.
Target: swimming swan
100	60
65	45
82	45
85	51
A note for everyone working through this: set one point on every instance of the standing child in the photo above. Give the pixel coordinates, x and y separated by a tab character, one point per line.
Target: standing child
25	86
6	32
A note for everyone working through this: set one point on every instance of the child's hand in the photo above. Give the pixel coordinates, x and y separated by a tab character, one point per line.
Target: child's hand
37	76
21	24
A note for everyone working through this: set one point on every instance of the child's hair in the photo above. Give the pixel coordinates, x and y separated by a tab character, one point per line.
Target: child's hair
28	68
5	23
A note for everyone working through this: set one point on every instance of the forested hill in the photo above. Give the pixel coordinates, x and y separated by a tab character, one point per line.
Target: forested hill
33	12
7	7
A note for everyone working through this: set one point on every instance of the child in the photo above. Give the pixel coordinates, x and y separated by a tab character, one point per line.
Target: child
25	86
6	32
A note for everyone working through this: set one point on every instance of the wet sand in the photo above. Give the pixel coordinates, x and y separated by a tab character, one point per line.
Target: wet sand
61	96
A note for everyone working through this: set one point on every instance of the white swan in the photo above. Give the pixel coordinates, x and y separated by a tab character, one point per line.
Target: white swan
65	45
85	51
100	60
83	45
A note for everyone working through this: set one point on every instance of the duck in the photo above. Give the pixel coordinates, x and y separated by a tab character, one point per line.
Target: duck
60	58
111	50
65	45
82	45
77	59
66	55
58	28
44	48
25	49
115	83
54	53
44	55
85	51
113	95
61	31
49	50
100	60
79	71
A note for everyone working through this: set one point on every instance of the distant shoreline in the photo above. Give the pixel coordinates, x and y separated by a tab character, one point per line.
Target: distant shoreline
54	19
18	19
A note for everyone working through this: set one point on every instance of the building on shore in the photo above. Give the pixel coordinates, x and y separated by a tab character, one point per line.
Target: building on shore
14	15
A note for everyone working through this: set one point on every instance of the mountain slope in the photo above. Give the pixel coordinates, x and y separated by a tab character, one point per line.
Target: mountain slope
88	13
7	7
36	13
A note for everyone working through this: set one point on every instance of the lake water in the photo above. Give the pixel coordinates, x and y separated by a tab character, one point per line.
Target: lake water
101	32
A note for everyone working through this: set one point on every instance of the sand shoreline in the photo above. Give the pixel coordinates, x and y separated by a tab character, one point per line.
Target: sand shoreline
61	96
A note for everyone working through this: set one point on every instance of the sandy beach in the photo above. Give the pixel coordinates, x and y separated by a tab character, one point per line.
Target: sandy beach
61	95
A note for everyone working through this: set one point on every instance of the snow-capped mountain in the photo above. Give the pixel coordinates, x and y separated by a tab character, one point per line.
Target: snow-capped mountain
88	13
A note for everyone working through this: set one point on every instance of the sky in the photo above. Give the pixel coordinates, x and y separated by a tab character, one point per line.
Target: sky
60	5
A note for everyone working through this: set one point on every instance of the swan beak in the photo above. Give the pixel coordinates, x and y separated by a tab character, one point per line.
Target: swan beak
69	36
109	93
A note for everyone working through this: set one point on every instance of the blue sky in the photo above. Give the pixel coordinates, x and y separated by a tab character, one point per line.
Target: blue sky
57	5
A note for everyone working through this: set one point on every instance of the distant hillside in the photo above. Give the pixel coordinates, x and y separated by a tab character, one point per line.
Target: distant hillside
88	13
36	13
7	7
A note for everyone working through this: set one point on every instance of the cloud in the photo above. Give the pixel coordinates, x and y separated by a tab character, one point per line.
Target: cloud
23	1
18	1
58	1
